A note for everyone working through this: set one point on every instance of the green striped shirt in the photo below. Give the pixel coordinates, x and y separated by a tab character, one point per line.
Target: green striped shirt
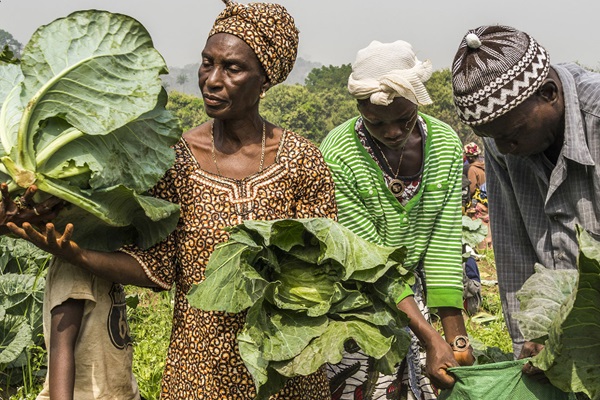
429	225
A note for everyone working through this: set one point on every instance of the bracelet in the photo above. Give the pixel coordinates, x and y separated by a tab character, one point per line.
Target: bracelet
460	343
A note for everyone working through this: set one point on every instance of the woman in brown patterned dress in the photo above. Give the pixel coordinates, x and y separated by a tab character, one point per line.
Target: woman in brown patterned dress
233	168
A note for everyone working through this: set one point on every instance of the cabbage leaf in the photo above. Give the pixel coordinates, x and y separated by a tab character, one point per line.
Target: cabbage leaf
570	301
83	117
309	286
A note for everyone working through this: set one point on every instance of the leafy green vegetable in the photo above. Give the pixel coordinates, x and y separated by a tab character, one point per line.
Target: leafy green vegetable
473	231
83	117
309	285
22	283
541	299
571	302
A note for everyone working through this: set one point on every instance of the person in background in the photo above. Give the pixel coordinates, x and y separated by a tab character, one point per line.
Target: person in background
540	124
397	176
235	167
475	167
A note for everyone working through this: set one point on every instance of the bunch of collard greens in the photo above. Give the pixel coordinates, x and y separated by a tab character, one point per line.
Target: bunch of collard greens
22	282
561	309
83	117
309	285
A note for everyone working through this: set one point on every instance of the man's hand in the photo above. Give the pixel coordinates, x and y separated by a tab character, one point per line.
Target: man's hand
531	349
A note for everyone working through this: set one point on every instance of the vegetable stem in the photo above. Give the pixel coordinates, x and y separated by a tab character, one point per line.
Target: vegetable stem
25	151
61	140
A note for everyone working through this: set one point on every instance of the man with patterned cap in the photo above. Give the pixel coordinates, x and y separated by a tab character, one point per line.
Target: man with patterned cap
541	128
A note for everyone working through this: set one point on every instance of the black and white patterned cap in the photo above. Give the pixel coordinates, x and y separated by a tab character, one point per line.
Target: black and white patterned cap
495	69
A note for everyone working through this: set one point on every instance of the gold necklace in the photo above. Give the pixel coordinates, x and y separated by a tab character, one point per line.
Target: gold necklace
396	185
262	150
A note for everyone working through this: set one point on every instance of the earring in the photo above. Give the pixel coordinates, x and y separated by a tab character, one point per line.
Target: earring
262	94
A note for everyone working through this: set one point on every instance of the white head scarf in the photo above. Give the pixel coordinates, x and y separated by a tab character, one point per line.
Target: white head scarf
383	71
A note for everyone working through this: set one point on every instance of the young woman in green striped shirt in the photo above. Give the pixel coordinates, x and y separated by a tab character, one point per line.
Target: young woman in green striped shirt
398	176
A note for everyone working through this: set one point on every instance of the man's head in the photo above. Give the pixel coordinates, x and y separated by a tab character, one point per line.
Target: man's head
504	88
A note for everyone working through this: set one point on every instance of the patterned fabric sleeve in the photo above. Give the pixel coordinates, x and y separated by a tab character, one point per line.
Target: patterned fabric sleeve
316	196
159	261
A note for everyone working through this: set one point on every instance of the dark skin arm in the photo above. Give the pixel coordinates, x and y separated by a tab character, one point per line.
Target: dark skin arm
115	267
440	356
66	323
454	325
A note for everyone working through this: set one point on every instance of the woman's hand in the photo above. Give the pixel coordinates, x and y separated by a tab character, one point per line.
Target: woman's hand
50	240
465	358
23	209
440	357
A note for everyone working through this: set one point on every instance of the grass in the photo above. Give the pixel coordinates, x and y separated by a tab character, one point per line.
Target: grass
488	326
150	325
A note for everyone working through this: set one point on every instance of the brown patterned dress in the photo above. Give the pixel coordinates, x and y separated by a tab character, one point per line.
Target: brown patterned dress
203	361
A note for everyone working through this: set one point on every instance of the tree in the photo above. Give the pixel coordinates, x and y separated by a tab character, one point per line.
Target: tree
182	79
189	109
439	87
329	78
311	114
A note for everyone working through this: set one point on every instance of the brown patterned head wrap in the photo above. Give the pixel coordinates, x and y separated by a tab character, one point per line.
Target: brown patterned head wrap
268	29
495	69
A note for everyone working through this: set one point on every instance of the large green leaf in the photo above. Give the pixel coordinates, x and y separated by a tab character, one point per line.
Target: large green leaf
88	124
21	257
358	258
15	289
310	285
571	356
329	347
136	155
473	231
22	283
231	283
541	299
15	336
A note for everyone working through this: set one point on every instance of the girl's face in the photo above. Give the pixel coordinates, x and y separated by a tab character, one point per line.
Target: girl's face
390	125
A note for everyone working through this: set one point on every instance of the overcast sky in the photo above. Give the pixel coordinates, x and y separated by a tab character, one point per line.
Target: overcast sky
331	31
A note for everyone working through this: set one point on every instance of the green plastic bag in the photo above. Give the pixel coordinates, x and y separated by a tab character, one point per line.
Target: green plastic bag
499	381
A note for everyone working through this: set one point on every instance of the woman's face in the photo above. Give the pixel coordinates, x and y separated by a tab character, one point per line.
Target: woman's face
390	125
230	77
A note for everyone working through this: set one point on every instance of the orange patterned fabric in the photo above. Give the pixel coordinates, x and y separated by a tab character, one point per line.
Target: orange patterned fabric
203	361
268	29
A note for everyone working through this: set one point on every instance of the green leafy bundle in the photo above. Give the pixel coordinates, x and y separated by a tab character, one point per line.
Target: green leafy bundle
309	285
83	117
561	309
22	282
473	231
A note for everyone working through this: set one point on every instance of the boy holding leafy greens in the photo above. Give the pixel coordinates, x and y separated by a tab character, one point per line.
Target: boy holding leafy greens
85	323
